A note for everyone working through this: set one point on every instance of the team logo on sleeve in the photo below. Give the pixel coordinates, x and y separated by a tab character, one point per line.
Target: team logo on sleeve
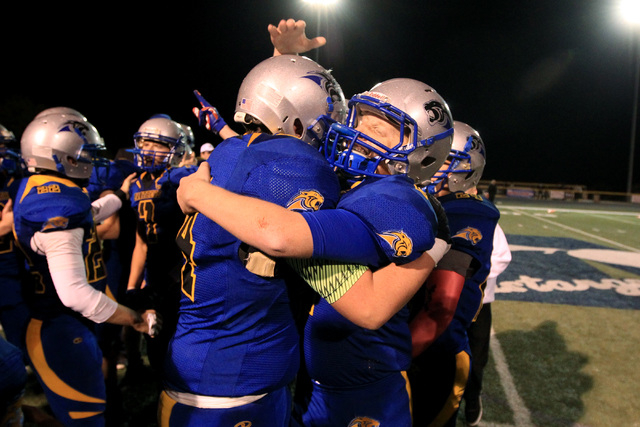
306	200
469	233
364	422
401	244
56	223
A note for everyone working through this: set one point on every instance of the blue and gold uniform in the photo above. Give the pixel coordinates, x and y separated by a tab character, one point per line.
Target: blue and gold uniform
443	368
236	347
62	346
14	314
159	218
358	375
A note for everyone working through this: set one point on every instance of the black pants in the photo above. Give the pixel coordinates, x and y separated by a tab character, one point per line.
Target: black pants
479	334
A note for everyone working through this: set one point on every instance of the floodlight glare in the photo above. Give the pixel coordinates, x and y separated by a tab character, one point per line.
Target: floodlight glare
321	2
630	11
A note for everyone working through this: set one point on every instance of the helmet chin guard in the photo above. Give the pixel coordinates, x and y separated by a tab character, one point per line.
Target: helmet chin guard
467	161
161	130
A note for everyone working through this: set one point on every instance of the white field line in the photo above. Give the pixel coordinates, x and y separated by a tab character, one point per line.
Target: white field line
586	211
521	415
624	221
575	230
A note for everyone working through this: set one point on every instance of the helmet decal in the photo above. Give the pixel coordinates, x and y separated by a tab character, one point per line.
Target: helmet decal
79	128
437	114
326	81
399	241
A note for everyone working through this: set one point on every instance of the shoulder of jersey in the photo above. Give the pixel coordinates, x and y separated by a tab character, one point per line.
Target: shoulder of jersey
42	197
469	204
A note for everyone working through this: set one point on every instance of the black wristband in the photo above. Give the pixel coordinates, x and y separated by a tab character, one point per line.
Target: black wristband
121	195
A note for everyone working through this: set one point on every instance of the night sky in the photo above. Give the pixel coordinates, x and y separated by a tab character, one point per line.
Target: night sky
548	84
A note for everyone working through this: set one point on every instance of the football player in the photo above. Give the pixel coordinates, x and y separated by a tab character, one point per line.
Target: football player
454	290
397	134
54	222
13	382
14	314
235	350
154	278
479	332
117	233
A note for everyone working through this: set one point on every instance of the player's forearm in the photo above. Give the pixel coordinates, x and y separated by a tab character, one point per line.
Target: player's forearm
266	226
443	288
138	259
376	297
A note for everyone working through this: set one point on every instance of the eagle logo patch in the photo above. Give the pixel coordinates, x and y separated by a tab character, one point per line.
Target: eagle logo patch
401	244
306	200
56	223
364	422
469	233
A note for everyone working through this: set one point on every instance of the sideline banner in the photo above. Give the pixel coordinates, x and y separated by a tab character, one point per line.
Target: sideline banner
526	193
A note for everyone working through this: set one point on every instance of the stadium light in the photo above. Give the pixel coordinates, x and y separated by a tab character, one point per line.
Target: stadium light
630	12
320	6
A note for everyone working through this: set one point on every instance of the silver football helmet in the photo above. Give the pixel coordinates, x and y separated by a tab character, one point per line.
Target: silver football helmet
61	110
467	160
9	150
64	143
290	94
161	130
189	136
426	132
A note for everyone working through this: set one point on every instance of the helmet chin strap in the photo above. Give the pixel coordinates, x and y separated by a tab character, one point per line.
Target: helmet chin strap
59	166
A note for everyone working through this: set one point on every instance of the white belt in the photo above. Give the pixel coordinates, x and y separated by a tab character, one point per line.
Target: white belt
211	402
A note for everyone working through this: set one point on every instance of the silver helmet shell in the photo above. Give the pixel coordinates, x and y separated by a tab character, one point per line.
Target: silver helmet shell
421	114
468	158
61	110
161	130
293	95
64	143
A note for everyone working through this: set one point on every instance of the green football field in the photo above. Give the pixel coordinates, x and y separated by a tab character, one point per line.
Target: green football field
566	327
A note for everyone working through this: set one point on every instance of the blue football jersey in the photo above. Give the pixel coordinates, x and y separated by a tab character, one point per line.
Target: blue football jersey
9	258
46	203
236	334
159	219
109	177
339	353
472	222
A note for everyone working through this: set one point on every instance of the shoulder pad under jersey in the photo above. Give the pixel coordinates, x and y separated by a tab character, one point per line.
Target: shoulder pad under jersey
398	212
56	203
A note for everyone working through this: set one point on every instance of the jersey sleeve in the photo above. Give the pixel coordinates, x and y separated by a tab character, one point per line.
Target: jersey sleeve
340	235
331	280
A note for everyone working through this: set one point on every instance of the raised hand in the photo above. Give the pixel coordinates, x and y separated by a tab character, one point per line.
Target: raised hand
289	38
208	115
